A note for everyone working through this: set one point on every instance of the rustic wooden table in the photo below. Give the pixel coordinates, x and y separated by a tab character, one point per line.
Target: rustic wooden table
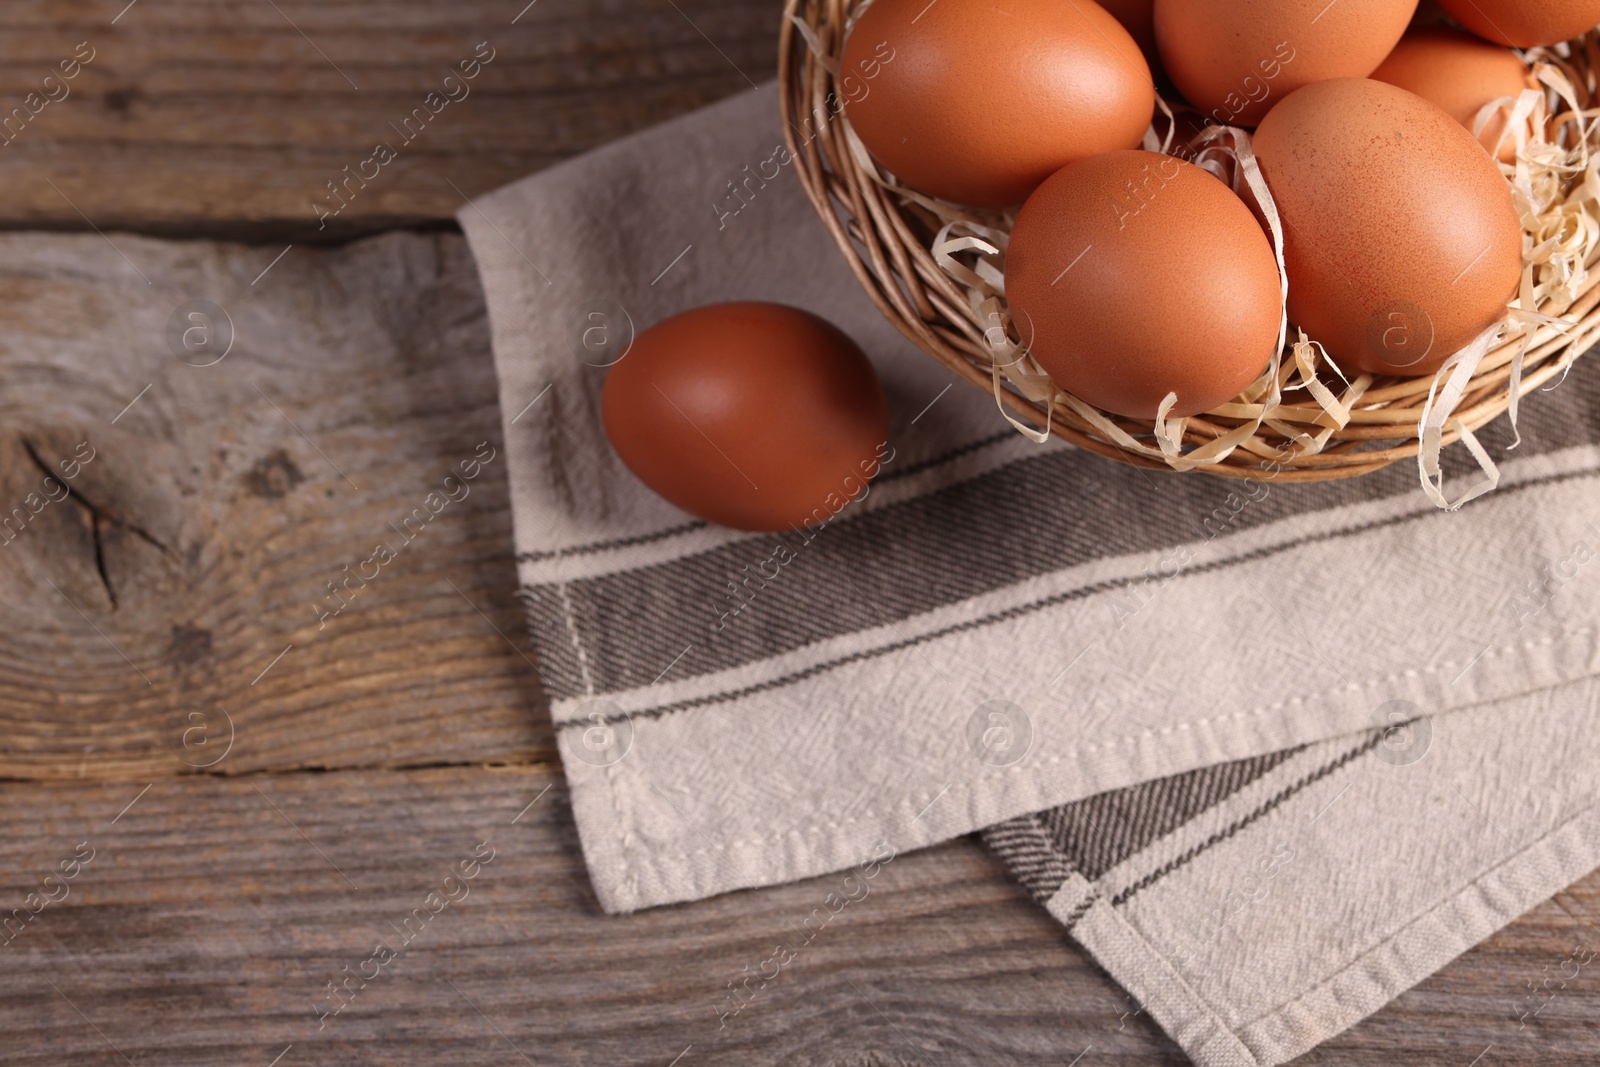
143	618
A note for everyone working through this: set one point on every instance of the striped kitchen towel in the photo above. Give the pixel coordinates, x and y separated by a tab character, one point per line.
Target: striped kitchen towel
1272	753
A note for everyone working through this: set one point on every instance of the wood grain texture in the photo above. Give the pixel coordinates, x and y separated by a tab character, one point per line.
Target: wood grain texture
215	911
230	118
216	907
185	581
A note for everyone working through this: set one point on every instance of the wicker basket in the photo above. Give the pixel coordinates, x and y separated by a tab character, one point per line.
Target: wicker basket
891	239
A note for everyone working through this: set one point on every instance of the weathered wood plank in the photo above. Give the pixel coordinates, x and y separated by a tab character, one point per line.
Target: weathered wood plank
188	573
202	117
215	911
206	927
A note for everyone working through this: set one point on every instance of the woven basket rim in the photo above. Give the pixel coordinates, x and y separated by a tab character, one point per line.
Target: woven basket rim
885	238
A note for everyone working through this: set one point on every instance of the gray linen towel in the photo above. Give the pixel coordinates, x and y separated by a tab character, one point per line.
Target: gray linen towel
1203	721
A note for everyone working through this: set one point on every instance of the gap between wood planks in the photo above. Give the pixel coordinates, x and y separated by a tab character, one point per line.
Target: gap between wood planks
237	231
525	766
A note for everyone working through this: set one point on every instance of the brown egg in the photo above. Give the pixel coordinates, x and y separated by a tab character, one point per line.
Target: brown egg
977	102
1132	274
1460	73
1400	237
1525	23
1234	59
755	416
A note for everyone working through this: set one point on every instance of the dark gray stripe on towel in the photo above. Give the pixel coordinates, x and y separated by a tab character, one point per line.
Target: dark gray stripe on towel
1033	516
1093	835
1090	837
1426	511
1268	806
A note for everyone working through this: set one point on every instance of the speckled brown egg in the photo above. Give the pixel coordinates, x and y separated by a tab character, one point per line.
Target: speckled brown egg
1525	23
1401	241
977	101
1460	73
752	415
1132	274
1234	59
